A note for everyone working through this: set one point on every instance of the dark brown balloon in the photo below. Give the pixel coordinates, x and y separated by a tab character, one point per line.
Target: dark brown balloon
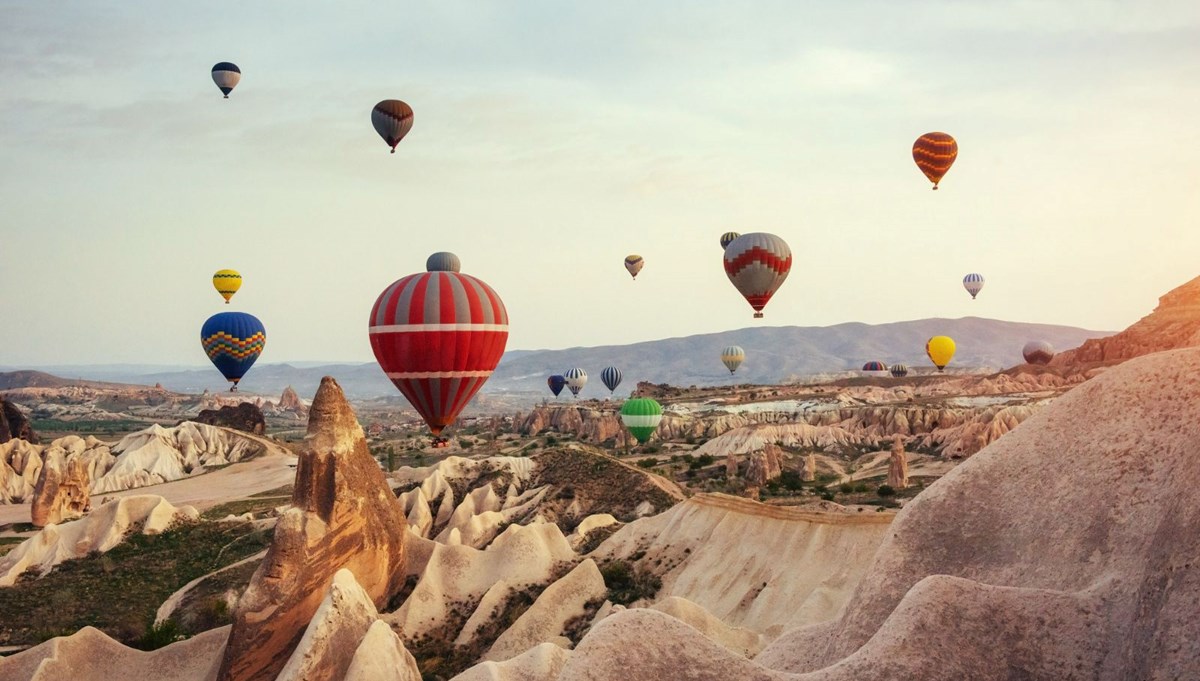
1038	352
934	153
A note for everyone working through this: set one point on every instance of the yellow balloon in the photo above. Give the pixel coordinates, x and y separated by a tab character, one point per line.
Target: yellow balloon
940	350
227	283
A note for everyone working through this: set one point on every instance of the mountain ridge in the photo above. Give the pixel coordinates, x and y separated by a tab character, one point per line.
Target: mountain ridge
775	354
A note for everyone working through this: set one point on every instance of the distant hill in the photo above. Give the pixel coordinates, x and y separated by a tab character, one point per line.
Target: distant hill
778	354
31	379
773	355
23	378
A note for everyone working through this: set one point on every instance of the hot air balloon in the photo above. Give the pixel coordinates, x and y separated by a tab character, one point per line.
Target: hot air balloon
974	284
226	75
227	283
438	335
611	376
732	357
233	341
934	153
1038	352
392	119
757	264
641	416
634	263
874	366
556	383
940	350
727	238
899	371
576	379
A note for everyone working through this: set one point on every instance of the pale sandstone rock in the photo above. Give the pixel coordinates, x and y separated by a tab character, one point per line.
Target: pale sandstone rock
90	655
102	529
546	619
335	631
381	656
542	663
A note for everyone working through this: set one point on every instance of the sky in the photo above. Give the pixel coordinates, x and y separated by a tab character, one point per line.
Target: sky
552	139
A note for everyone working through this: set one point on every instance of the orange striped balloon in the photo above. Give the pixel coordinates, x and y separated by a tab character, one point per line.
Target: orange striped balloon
934	153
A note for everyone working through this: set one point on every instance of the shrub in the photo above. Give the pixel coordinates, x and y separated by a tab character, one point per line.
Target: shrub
627	584
845	488
647	462
465	443
886	491
827	496
159	635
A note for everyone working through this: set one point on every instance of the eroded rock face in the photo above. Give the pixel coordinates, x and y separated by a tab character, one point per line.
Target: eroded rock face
61	492
344	515
290	401
1175	323
898	466
14	425
245	417
810	468
765	465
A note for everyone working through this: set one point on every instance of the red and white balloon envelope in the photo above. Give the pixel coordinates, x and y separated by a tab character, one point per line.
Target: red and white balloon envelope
438	335
757	264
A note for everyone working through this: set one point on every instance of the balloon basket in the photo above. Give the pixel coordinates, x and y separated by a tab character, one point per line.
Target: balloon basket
758	315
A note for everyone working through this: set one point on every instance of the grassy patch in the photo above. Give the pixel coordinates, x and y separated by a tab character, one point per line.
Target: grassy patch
256	505
285	491
118	592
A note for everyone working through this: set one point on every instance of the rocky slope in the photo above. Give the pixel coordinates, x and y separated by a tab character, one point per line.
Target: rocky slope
99	531
148	457
1062	551
14	425
1175	323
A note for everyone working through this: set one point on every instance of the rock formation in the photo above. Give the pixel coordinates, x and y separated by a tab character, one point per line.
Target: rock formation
245	417
14	425
148	457
1175	323
765	465
828	554
60	494
290	401
897	477
156	455
731	466
810	468
340	623
1066	550
344	515
100	530
90	655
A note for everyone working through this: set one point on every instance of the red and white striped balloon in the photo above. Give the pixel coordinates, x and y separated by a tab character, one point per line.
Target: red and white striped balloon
757	264
439	335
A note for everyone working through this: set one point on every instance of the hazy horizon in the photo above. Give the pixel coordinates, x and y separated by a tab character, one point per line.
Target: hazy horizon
550	141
